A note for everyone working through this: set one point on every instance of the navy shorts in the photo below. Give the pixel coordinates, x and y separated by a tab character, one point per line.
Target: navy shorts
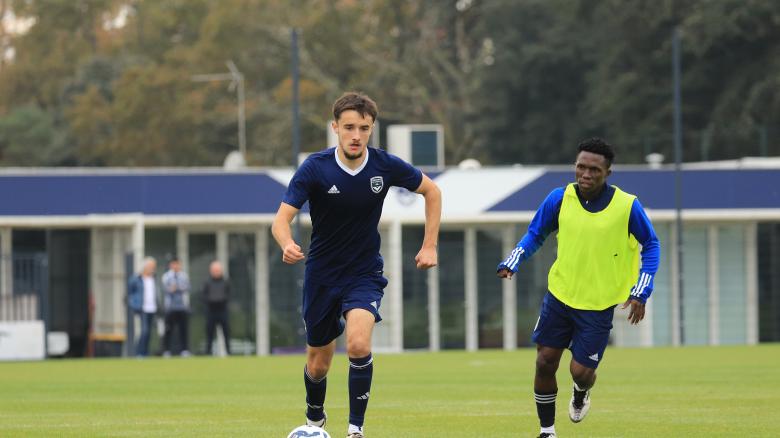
584	332
325	305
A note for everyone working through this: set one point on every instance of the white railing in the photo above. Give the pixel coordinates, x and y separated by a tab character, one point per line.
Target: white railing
22	307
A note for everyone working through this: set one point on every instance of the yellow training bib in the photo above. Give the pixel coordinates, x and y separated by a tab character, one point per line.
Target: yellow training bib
598	259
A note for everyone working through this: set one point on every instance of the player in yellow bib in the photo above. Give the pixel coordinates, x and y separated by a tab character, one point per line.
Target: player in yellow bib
600	229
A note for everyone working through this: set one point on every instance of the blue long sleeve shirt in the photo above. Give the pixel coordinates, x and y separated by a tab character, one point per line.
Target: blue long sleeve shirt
545	221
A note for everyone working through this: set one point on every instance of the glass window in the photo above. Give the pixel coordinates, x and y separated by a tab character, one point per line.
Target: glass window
661	299
286	283
25	244
769	282
69	287
241	261
490	297
415	290
382	337
160	243
732	282
452	291
28	241
424	148
202	251
695	294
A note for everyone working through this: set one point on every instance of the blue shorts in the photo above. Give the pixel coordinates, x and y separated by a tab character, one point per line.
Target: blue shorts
584	332
325	305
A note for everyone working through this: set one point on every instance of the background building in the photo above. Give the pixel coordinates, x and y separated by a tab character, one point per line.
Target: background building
69	239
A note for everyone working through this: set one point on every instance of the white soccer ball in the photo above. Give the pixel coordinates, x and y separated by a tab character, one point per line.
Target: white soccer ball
308	432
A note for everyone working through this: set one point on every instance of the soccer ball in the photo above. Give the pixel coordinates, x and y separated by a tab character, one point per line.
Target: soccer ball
308	431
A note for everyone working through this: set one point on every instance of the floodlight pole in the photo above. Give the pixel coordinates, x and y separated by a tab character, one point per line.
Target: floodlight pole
295	73
296	124
238	83
678	174
236	79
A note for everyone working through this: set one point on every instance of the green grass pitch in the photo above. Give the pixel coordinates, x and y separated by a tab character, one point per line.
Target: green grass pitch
658	392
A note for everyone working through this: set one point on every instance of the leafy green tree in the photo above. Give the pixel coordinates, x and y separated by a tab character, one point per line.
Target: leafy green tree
568	70
730	77
109	81
538	82
28	138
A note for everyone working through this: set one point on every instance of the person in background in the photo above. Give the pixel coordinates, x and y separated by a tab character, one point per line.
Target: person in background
176	284
142	299
216	293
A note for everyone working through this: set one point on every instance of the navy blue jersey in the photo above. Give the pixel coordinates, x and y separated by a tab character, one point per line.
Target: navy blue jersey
345	207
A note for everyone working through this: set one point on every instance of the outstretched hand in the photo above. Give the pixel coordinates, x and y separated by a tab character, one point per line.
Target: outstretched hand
292	253
426	258
505	273
637	312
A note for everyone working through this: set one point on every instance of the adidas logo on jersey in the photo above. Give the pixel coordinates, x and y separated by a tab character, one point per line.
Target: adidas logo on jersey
594	357
363	397
334	190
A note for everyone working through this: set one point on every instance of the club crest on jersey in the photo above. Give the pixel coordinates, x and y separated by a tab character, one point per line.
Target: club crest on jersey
377	183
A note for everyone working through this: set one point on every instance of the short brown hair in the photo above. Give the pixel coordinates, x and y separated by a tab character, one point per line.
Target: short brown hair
355	101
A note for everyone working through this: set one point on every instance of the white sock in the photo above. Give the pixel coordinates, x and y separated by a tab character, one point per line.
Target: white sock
550	429
353	429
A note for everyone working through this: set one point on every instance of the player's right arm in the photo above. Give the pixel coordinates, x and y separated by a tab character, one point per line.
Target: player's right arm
291	251
545	221
297	194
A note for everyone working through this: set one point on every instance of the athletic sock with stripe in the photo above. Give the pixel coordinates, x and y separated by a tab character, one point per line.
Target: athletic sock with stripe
315	396
545	407
361	370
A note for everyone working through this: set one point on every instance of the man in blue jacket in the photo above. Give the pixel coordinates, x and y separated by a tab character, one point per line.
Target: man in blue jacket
142	299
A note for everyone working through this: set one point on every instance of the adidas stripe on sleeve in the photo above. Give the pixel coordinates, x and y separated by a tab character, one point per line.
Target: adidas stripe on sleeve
545	221
641	228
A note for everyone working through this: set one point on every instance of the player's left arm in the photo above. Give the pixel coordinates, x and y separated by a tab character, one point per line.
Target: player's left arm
427	257
641	228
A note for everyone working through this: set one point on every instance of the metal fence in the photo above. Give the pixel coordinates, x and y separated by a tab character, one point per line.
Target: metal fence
25	291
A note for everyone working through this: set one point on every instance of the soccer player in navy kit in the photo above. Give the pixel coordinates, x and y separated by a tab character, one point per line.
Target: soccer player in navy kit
346	187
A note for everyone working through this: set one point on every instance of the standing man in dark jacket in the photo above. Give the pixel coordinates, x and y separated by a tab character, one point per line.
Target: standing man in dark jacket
216	293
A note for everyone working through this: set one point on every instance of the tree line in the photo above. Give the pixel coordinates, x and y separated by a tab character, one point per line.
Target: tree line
109	82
